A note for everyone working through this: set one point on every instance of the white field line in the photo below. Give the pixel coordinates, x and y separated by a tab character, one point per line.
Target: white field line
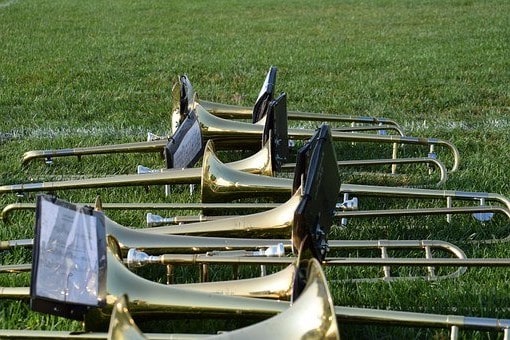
411	128
7	3
415	128
63	132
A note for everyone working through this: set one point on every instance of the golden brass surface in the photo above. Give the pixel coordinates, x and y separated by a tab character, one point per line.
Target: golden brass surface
122	326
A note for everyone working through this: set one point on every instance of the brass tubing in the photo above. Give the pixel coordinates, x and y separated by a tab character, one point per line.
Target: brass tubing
15	268
373	190
148	146
368	128
364	162
228	111
177	176
8	209
422	211
414	319
15	292
427	160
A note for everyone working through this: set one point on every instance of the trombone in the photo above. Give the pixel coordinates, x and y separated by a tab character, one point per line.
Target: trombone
275	255
232	134
220	183
184	90
233	251
313	301
134	286
128	282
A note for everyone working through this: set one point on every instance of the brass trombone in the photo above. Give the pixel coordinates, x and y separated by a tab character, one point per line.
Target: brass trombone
183	96
275	255
232	134
126	282
134	286
150	297
230	184
314	302
183	90
220	182
222	250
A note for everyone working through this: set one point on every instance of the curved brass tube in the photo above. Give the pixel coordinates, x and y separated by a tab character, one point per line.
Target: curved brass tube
364	162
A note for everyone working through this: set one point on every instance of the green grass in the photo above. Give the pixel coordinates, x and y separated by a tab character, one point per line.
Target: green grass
88	73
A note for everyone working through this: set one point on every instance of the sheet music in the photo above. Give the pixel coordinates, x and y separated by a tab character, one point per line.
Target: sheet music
189	147
68	255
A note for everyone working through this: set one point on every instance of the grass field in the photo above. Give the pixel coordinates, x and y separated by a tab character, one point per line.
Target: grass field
96	72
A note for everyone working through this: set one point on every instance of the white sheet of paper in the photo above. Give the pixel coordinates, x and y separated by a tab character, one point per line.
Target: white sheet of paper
68	256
